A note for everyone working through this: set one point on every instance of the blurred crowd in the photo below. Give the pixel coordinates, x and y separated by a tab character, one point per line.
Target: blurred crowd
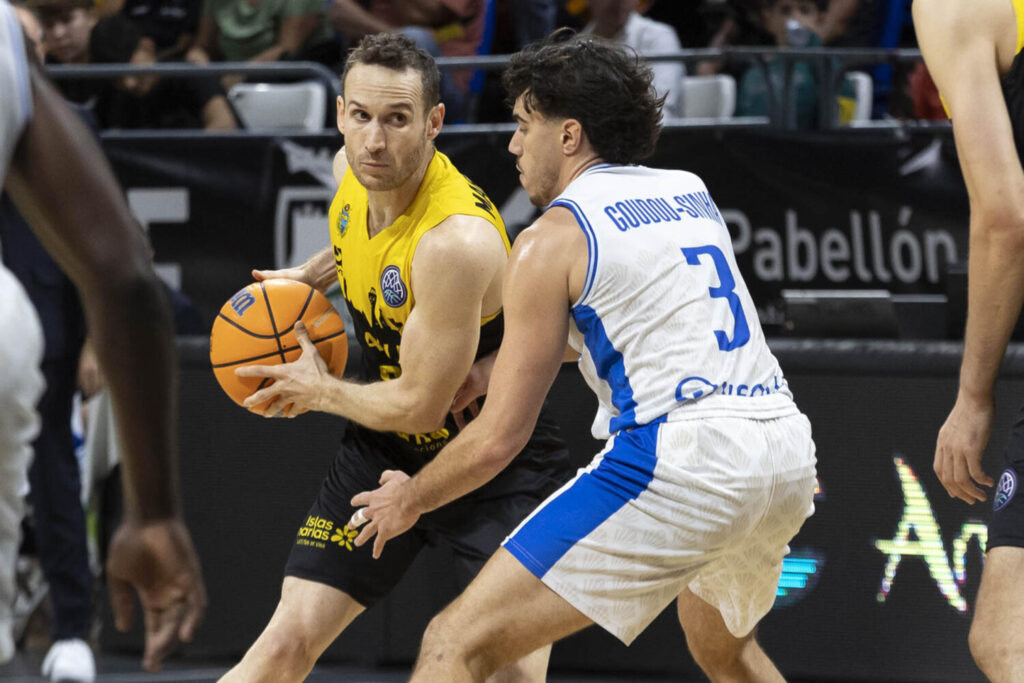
145	32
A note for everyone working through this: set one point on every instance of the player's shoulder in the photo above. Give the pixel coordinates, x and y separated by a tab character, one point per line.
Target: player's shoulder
958	21
459	240
551	234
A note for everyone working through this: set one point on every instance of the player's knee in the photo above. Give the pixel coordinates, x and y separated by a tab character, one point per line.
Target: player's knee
285	653
446	641
715	655
987	646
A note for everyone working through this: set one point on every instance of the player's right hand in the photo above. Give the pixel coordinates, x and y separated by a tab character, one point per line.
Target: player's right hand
157	560
959	448
298	274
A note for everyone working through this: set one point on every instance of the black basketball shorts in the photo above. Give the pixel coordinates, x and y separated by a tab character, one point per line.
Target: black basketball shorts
474	526
1007	524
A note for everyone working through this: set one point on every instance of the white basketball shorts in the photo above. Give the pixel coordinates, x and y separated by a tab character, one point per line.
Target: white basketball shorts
21	385
707	504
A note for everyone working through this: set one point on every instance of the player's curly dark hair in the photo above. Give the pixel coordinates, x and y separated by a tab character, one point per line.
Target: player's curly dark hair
601	85
398	52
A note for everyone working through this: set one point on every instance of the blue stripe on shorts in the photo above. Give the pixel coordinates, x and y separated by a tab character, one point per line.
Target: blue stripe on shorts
624	473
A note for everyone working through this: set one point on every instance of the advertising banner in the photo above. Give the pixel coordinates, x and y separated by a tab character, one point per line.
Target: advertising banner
843	210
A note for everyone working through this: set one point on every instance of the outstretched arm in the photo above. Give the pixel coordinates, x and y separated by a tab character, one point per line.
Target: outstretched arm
961	43
536	296
63	186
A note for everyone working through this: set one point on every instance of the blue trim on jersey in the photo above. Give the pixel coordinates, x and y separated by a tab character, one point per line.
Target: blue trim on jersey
624	473
610	366
601	166
20	65
588	230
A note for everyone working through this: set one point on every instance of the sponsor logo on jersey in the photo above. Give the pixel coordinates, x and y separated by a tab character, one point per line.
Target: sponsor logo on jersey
343	220
1005	489
392	288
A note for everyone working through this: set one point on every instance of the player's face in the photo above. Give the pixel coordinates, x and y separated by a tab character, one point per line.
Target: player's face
67	35
537	145
387	131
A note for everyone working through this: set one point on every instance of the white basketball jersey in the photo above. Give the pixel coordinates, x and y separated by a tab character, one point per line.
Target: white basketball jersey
665	326
15	112
15	95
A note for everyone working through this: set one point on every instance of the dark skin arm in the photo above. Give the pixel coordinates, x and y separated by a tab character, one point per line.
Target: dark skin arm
63	186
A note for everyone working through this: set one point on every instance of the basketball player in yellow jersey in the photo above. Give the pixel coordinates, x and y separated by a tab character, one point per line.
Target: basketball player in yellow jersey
420	253
973	50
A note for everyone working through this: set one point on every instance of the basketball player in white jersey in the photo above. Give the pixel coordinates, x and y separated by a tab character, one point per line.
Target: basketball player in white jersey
708	470
60	181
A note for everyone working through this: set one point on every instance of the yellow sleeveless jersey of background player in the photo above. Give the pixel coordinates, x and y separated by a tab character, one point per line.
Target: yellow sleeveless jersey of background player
376	274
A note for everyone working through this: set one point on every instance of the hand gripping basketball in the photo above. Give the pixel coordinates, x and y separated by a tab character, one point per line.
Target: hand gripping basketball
258	328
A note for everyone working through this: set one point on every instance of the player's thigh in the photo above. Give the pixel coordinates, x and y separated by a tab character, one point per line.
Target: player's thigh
705	629
324	551
506	612
999	609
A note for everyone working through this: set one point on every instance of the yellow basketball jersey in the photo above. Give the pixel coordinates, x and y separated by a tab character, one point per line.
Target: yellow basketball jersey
376	273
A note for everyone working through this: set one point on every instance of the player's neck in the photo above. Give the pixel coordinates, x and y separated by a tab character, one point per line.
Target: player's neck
574	168
385	206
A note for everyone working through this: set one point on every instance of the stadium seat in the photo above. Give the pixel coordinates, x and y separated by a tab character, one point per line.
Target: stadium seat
280	105
709	97
863	88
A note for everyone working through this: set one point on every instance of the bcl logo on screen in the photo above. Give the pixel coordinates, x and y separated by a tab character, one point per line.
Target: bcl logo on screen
1005	489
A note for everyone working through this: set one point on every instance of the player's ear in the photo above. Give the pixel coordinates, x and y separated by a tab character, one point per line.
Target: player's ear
435	119
341	115
571	136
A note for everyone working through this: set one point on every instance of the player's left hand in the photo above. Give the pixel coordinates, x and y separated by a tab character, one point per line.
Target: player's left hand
959	449
157	560
297	386
386	511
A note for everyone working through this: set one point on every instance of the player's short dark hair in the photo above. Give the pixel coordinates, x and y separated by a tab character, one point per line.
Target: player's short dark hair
606	88
397	52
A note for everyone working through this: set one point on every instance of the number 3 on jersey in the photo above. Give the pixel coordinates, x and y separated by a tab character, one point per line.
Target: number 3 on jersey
724	290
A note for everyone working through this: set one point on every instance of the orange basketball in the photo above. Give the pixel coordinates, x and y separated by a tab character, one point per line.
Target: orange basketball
257	327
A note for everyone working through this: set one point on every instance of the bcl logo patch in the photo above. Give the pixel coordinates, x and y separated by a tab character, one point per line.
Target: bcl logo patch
1005	489
392	288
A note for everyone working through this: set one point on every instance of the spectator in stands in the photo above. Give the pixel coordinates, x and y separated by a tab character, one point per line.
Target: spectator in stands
619	21
263	31
853	23
534	19
689	19
448	28
75	34
171	25
739	23
793	23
